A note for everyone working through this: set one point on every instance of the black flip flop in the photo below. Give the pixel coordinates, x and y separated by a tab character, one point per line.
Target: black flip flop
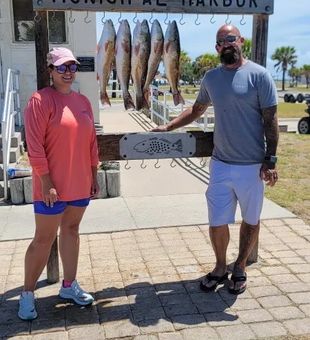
235	279
210	277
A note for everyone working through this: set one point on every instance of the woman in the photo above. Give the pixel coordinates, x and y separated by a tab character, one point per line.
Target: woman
62	149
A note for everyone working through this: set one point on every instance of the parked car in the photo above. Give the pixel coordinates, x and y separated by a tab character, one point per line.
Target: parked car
304	122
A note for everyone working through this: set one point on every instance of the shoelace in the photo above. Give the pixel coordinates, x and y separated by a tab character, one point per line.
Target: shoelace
79	291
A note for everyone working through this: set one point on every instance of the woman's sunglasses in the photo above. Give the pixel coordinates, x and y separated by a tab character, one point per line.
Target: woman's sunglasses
64	68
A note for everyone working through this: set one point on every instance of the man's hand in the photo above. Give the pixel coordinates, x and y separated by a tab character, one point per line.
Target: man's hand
160	128
270	176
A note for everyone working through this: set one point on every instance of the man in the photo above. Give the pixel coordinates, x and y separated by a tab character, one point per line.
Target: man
245	142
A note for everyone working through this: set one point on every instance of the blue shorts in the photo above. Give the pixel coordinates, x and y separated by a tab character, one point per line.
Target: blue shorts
59	207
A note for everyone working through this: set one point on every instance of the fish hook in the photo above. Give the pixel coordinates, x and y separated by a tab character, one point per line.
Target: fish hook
172	163
156	165
196	21
212	20
166	19
102	19
127	166
151	18
71	19
37	18
227	21
120	17
54	16
182	22
86	20
242	21
135	18
203	163
142	165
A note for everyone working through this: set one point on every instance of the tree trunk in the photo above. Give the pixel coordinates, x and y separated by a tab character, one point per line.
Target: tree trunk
283	80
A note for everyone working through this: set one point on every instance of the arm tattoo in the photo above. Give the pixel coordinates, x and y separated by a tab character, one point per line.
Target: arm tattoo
199	109
271	129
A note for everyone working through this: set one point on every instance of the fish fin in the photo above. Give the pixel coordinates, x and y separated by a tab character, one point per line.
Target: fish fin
141	103
126	47
128	102
158	47
136	49
178	99
104	98
167	45
146	93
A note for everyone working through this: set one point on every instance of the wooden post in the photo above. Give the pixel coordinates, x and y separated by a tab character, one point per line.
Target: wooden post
43	80
259	56
260	38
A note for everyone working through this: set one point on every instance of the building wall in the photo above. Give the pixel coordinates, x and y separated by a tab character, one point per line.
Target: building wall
81	37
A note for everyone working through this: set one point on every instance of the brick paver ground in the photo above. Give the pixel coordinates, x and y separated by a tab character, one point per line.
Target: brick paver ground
146	284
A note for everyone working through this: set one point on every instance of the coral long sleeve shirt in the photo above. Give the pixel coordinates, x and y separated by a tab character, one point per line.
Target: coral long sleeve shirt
61	141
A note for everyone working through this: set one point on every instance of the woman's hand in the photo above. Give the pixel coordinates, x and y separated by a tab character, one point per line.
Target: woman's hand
94	189
270	176
49	191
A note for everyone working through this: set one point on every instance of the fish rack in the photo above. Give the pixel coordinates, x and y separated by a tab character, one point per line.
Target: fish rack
109	144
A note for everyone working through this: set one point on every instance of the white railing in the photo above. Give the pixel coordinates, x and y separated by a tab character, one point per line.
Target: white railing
163	111
11	109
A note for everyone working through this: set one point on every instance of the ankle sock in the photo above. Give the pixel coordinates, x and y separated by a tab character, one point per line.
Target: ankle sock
66	283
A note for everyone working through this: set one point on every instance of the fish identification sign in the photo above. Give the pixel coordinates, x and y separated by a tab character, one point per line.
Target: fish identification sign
172	6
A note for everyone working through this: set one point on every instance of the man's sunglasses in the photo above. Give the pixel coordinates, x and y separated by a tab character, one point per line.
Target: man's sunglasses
64	68
228	39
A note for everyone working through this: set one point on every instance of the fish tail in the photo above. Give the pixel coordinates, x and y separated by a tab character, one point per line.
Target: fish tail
178	99
104	98
128	102
139	101
178	145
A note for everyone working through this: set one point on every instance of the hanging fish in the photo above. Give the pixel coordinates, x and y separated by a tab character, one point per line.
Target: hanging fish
158	146
172	52
123	60
139	60
157	45
105	57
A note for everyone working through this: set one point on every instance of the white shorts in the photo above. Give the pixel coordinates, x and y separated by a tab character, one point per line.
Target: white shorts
230	184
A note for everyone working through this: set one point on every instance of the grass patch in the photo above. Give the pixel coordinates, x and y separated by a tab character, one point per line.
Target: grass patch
290	110
293	188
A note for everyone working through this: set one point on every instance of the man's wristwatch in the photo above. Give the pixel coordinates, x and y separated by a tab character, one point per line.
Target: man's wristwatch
271	161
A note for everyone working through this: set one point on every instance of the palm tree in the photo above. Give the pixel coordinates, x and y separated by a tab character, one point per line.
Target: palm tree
295	73
306	72
186	67
285	56
204	63
247	48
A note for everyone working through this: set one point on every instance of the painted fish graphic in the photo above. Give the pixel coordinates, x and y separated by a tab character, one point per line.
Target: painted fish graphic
158	146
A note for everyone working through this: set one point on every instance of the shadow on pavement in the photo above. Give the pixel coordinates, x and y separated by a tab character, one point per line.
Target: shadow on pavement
143	304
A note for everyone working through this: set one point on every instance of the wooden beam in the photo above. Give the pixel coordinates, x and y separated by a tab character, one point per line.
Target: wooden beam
109	145
161	6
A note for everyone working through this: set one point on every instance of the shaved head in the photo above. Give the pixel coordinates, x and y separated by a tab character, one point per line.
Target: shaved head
227	29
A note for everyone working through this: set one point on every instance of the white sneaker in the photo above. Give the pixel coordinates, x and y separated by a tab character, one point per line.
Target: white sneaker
76	293
27	309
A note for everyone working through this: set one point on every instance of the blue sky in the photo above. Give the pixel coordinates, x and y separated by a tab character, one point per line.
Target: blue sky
288	26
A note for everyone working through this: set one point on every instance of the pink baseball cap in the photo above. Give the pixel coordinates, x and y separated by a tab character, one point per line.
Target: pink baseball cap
60	55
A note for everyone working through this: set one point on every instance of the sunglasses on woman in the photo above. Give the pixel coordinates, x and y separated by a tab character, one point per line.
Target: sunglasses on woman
64	68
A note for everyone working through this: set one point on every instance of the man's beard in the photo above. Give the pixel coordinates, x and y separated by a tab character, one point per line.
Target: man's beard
230	56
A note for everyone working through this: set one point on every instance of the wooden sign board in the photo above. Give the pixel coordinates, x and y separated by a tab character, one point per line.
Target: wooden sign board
160	6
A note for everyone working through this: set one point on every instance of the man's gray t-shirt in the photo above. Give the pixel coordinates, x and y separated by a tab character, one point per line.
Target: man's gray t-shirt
238	97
